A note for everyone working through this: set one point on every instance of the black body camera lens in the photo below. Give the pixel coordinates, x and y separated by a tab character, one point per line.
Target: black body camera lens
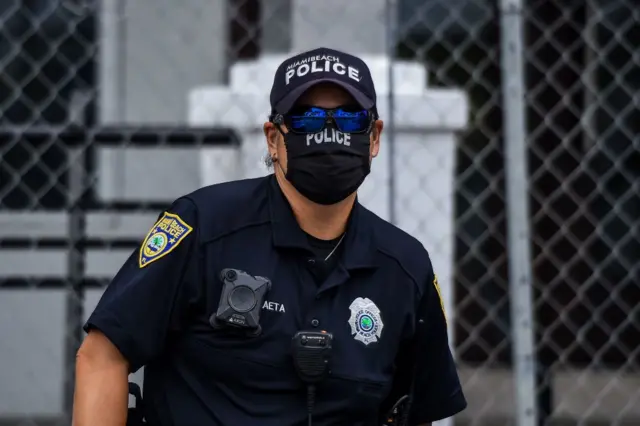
240	302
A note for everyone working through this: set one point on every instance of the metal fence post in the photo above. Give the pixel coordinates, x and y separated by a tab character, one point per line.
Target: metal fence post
518	229
76	267
391	34
111	74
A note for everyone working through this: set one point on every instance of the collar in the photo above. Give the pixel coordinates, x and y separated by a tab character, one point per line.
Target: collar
359	243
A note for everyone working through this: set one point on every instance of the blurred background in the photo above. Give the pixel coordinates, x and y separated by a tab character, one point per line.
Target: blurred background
512	151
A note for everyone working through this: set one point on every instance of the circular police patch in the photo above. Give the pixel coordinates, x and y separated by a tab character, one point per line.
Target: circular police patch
155	244
365	321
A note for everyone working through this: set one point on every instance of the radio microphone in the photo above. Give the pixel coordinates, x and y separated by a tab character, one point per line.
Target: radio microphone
311	358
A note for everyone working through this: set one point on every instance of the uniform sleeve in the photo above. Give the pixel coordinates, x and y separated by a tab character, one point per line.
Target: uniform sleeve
436	392
151	291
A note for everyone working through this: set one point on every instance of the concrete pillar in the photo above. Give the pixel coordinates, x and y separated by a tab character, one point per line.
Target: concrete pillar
153	52
356	26
426	122
275	26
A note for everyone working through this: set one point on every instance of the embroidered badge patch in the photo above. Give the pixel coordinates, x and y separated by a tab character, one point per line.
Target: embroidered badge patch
437	286
167	233
365	321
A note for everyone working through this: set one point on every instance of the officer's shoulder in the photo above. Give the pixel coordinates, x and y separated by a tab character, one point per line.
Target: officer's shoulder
401	246
224	206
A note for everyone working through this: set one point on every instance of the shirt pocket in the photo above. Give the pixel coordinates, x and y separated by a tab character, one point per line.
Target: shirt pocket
271	347
358	400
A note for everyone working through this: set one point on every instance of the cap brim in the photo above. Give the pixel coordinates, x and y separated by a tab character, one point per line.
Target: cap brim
285	104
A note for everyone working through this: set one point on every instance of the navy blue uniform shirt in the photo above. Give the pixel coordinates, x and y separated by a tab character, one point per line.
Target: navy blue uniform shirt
381	302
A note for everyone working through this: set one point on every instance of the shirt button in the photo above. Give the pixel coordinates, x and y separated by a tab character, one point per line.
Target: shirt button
311	261
315	322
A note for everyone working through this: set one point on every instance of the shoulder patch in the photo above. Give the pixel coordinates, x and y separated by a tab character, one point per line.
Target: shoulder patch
437	286
167	233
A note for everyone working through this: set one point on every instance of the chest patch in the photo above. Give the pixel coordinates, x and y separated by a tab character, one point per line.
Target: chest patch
365	321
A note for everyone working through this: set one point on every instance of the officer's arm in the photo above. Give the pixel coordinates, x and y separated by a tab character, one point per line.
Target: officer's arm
101	383
145	301
436	392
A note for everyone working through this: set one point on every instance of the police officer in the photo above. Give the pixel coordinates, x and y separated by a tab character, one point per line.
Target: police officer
314	261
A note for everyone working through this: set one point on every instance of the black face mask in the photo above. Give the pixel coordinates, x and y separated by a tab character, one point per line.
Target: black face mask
328	166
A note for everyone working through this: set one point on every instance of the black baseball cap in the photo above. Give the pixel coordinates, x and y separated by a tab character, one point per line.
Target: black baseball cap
297	74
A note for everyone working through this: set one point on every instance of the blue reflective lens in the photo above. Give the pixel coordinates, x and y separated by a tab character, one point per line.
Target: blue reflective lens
313	120
351	121
310	120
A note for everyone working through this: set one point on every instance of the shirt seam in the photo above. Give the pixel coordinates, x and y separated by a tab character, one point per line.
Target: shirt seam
404	269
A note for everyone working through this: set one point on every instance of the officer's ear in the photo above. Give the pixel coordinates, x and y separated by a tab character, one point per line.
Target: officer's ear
271	133
378	125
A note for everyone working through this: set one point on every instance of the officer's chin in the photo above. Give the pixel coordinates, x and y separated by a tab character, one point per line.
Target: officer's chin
346	200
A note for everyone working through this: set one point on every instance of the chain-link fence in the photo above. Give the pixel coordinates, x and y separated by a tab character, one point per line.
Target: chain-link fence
468	102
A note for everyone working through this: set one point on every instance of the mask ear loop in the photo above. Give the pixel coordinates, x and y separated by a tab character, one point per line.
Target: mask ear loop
277	120
274	160
282	170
